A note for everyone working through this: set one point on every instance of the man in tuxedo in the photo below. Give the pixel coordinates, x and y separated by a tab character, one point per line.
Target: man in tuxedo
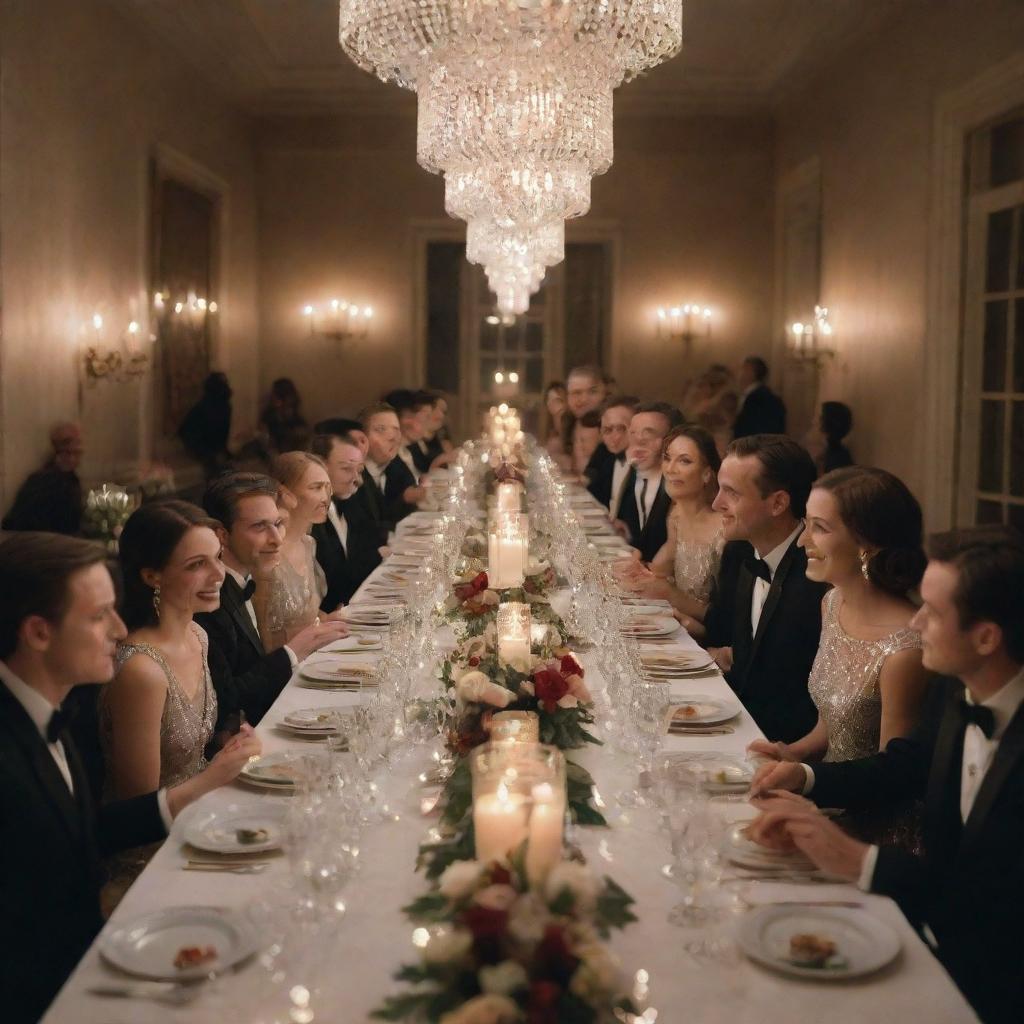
764	620
365	504
608	475
342	426
59	628
586	389
761	410
346	545
644	504
388	479
965	760
245	676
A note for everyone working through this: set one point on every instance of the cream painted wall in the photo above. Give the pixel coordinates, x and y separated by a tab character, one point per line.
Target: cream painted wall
86	98
688	199
869	118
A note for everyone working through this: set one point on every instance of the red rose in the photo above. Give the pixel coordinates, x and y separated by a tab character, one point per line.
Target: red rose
543	1005
479	583
484	922
554	955
473	662
500	875
550	687
570	666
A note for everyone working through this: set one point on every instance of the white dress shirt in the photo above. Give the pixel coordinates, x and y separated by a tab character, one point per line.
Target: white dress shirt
761	587
620	470
40	710
242	581
653	478
376	473
340	524
406	456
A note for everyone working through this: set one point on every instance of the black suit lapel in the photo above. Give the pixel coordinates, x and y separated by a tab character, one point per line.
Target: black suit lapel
627	507
51	781
374	498
658	508
771	602
231	598
742	629
942	797
1008	755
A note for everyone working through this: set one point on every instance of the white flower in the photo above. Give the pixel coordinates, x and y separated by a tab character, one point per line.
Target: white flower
520	662
568	701
460	879
597	977
528	918
496	897
488	597
580	882
485	1009
503	979
526	686
475	688
448	946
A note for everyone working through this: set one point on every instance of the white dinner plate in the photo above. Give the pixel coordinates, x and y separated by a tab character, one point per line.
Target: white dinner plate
217	831
363	642
649	626
336	671
700	710
863	943
147	945
279	771
668	662
718	772
741	850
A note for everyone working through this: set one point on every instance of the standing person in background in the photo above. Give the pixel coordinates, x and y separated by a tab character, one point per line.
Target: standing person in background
552	417
607	482
761	410
834	423
712	402
207	426
51	498
282	420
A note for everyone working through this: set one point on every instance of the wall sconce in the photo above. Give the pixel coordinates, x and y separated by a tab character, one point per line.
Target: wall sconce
685	323
809	342
194	309
339	319
114	364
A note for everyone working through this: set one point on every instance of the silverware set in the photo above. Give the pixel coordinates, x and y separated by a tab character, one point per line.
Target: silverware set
228	867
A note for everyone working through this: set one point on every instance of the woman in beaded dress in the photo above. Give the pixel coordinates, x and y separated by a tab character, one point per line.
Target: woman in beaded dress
684	570
291	601
157	716
863	535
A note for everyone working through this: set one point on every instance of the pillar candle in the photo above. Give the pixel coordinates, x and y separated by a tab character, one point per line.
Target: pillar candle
544	841
499	823
508	496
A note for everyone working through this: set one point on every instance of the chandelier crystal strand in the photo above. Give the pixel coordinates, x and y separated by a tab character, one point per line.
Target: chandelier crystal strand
514	108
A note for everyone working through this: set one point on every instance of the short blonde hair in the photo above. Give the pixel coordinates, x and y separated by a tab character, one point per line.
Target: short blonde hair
290	467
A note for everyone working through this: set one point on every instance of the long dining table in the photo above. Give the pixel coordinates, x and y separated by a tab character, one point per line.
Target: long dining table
360	951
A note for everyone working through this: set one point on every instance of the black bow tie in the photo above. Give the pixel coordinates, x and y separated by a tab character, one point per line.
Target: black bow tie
975	714
621	459
58	725
248	589
759	569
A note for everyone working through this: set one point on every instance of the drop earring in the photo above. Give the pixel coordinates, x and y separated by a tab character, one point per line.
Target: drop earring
864	566
156	600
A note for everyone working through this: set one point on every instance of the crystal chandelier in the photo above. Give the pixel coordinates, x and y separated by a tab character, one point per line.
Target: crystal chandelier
514	102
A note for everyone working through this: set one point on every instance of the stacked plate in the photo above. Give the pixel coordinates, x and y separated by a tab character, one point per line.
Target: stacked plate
281	772
641	626
719	773
365	616
313	723
353	644
698	712
335	675
667	665
740	849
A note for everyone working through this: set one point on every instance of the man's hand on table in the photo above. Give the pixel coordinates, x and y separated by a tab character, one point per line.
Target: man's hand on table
312	638
789	822
777	775
722	656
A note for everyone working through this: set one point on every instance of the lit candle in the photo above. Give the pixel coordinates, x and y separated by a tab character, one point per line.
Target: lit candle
508	496
517	726
507	551
513	628
499	823
544	839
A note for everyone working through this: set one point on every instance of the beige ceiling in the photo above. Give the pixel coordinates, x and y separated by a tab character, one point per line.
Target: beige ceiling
282	56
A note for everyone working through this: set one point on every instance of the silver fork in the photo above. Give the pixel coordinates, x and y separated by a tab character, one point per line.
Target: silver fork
169	992
228	869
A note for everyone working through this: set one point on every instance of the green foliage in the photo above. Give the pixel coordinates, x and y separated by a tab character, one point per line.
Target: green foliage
613	907
457	798
430	908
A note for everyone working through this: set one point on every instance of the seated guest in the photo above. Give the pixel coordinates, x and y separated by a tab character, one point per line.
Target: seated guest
586	391
764	620
59	629
245	676
684	570
644	505
608	477
761	410
552	425
340	427
346	544
388	479
834	423
281	420
863	536
436	441
51	498
410	407
965	759
587	450
206	428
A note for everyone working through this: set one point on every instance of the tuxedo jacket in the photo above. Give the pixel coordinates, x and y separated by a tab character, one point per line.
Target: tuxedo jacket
599	474
420	459
770	668
651	539
51	842
245	677
344	569
968	886
397	479
762	412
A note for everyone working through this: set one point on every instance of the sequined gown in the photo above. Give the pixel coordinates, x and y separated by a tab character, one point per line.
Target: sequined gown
696	565
294	599
844	685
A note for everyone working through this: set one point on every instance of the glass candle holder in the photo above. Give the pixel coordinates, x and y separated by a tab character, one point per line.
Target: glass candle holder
509	496
514	636
515	726
519	797
508	550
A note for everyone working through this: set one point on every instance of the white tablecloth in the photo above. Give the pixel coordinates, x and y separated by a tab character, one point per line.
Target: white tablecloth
372	938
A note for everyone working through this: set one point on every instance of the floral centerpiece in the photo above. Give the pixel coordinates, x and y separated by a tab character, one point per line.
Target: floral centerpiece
494	950
107	509
471	597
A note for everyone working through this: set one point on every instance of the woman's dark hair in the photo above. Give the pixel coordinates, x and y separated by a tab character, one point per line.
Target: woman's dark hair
147	542
879	510
555	385
990	565
836	421
701	438
785	466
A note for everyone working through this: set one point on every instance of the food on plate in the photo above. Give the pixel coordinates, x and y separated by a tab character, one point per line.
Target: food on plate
730	776
809	950
248	836
194	956
686	711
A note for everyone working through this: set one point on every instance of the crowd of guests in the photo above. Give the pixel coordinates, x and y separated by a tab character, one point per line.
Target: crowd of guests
887	681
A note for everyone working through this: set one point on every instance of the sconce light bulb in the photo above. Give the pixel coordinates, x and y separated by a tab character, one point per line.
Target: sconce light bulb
687	308
826	328
492	320
307	310
178	307
201	303
368	312
212	307
97	321
674	311
513	377
707	314
499	377
335	303
158	300
503	408
798	329
661	313
133	327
